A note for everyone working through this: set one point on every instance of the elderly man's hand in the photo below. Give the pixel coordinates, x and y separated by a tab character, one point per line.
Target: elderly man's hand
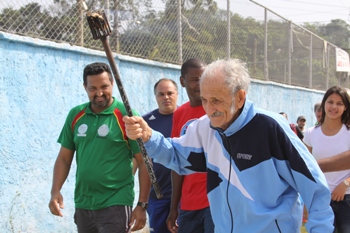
136	127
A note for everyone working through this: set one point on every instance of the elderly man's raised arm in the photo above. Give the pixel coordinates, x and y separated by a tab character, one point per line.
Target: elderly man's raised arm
335	163
136	127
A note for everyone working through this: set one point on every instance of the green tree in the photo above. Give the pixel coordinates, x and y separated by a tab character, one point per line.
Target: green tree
336	32
27	20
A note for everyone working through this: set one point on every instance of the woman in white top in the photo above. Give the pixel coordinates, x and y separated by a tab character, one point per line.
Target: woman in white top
329	138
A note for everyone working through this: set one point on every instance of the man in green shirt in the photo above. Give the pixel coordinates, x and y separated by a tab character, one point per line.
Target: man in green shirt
104	190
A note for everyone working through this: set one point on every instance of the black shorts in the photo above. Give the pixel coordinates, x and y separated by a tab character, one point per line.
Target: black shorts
111	219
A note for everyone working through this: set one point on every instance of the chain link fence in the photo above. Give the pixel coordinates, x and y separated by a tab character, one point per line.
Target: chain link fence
172	31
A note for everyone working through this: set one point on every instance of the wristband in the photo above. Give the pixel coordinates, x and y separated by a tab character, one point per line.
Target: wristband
143	204
346	183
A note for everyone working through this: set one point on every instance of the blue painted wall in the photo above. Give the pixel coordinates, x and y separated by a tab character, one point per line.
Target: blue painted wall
40	82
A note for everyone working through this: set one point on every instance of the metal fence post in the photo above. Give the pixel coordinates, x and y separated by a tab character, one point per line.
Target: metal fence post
80	31
116	26
179	30
290	51
328	51
228	30
310	63
266	67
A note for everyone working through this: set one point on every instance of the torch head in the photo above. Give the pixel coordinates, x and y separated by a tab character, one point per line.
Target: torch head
98	24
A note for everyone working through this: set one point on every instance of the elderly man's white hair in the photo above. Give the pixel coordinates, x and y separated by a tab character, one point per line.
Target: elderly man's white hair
234	71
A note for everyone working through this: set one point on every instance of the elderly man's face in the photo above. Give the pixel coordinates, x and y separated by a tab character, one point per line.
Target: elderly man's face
219	104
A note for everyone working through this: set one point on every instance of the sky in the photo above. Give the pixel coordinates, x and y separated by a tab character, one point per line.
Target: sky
311	11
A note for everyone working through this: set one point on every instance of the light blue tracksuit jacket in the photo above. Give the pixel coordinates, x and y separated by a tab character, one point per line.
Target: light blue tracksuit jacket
256	170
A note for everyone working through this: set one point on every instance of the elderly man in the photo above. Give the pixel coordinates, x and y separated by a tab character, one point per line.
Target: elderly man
256	165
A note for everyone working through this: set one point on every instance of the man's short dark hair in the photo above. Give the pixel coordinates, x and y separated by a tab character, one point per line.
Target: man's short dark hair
191	63
97	68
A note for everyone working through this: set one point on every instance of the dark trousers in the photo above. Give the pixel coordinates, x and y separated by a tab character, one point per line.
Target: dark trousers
195	221
158	211
341	211
111	219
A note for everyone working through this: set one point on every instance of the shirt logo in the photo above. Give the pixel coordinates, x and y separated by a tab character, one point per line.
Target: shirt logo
152	117
244	156
103	130
185	126
82	130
